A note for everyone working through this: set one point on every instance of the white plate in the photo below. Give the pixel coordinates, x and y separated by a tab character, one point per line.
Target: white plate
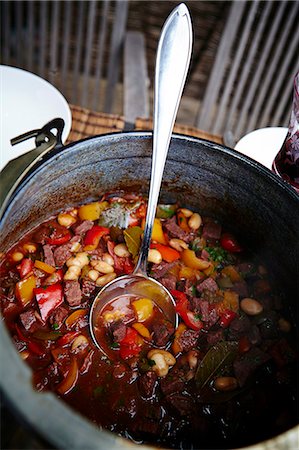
27	102
262	144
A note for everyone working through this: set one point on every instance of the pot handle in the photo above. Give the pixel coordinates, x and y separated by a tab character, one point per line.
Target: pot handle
17	170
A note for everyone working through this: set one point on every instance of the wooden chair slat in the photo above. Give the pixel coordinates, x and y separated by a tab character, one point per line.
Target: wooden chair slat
136	101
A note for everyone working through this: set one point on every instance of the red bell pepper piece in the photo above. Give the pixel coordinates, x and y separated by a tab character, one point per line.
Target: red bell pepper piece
182	308
229	243
67	338
48	298
169	254
32	346
59	236
128	266
131	344
35	348
93	236
226	317
25	267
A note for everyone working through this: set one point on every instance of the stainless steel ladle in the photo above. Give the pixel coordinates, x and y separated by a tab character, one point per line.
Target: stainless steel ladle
172	62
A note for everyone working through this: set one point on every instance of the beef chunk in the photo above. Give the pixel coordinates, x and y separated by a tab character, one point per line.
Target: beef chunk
48	255
147	383
241	288
208	314
28	319
172	383
169	281
58	316
118	330
238	327
88	287
188	339
72	292
162	333
211	231
215	336
180	404
209	284
159	270
245	365
62	254
176	231
83	227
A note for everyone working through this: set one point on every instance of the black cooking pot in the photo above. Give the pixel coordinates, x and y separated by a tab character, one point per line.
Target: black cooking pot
254	203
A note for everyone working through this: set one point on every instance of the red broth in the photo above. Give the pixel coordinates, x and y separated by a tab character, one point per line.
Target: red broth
225	377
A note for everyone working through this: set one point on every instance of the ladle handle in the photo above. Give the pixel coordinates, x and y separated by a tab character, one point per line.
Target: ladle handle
172	62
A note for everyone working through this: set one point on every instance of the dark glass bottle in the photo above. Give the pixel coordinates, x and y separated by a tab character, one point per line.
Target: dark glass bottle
286	162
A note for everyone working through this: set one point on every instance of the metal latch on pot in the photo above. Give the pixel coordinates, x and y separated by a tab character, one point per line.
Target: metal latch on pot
47	138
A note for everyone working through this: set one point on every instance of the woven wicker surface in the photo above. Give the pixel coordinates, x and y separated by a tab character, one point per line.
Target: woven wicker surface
88	123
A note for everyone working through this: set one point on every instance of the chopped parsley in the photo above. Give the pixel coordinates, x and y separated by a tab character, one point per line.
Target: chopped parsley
55	326
217	254
114	345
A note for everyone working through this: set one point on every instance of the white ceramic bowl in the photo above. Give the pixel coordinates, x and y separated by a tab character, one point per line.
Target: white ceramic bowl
27	102
262	144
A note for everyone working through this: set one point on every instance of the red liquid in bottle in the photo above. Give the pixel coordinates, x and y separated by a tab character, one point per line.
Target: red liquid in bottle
286	163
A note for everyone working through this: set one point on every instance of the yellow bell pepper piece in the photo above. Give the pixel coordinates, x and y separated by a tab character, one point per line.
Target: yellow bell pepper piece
44	267
143	308
182	221
190	259
175	347
92	211
157	233
74	316
230	301
232	273
142	330
186	273
25	290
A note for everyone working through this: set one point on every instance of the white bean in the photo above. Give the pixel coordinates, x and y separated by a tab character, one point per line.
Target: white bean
108	259
186	212
251	306
75	247
225	384
154	256
104	267
72	273
163	361
101	281
121	250
195	221
93	275
81	259
178	244
66	220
